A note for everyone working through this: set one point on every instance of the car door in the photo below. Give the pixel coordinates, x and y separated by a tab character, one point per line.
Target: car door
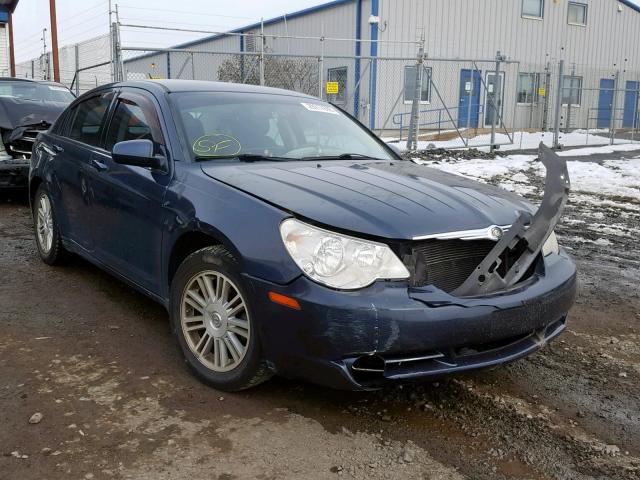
128	199
72	150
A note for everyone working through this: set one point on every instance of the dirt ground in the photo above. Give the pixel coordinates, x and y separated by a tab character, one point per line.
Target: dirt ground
96	359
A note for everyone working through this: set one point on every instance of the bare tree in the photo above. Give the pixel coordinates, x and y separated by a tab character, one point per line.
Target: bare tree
299	74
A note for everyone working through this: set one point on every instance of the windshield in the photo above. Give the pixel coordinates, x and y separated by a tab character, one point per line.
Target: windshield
36	91
225	125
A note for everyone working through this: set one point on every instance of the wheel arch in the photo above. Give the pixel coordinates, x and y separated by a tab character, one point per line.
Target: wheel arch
34	183
191	241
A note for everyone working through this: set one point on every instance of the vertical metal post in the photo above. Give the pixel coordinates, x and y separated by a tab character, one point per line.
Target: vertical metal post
497	84
471	92
556	120
193	68
77	58
321	68
547	90
614	103
262	51
635	123
412	137
118	48
112	66
567	124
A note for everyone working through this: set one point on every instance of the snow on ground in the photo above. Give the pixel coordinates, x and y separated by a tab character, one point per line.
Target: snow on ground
602	218
619	178
530	140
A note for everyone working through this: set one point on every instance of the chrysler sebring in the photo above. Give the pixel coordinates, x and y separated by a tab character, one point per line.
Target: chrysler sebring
283	237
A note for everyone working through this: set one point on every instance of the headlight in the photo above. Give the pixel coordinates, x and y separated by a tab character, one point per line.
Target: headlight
551	245
339	261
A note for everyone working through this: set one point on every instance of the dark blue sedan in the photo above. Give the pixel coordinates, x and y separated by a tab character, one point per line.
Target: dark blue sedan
284	237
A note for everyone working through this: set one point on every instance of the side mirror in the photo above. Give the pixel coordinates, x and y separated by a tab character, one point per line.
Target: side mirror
138	153
395	148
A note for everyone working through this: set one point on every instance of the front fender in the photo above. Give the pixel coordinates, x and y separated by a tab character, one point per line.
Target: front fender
247	226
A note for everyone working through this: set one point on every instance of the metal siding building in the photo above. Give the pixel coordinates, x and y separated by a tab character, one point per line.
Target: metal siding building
452	29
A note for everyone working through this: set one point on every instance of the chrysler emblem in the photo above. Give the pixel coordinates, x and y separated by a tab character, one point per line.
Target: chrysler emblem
496	232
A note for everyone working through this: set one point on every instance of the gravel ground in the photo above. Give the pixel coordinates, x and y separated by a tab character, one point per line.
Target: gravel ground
97	362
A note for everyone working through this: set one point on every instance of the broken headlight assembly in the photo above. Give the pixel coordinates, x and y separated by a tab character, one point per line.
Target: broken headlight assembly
551	245
339	261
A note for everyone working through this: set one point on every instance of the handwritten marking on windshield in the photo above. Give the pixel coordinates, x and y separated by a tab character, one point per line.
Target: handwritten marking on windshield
216	145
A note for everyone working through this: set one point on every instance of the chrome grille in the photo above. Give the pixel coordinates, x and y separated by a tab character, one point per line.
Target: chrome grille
24	144
446	264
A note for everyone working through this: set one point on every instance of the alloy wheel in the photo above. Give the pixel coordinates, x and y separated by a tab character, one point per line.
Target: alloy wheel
215	321
44	224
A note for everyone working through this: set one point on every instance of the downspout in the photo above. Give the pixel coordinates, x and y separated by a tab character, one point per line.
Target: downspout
374	66
356	96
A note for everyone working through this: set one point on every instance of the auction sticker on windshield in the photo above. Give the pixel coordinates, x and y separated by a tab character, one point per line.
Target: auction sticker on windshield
315	107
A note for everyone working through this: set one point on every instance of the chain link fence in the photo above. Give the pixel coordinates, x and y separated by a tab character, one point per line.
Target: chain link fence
415	99
83	65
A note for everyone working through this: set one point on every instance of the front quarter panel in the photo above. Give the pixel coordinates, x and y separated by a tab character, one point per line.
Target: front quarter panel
247	226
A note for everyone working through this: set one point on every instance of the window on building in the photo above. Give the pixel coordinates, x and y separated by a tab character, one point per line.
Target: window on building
410	84
533	8
577	13
88	118
528	88
572	91
339	75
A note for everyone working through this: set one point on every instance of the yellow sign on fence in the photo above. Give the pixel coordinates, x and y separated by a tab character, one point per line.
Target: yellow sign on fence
541	92
333	88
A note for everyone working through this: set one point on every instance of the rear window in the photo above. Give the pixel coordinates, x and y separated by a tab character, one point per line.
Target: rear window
36	91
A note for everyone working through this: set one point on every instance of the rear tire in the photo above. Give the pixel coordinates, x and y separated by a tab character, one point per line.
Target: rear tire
47	232
213	320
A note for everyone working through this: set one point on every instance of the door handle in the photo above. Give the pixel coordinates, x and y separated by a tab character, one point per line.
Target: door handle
58	148
98	165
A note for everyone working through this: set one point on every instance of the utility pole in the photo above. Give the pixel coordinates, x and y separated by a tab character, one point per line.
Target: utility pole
54	40
12	58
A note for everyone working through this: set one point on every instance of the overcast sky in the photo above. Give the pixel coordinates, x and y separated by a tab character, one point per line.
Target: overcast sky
81	20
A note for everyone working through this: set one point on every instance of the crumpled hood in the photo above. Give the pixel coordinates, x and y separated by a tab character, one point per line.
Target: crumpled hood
16	112
396	200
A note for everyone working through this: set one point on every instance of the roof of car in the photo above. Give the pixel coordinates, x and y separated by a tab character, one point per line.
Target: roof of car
205	86
18	79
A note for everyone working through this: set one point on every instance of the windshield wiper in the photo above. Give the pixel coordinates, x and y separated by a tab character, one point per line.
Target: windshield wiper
343	156
247	157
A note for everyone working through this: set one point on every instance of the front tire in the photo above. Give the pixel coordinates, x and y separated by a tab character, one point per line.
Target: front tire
212	318
47	232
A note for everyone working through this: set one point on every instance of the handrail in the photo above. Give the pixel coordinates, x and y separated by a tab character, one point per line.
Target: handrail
398	118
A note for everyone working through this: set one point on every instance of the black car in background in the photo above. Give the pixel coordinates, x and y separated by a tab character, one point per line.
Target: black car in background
27	107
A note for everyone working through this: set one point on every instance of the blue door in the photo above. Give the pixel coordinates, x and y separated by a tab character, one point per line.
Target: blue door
469	105
605	103
631	106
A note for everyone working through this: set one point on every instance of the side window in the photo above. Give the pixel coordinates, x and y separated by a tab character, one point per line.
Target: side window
135	120
87	119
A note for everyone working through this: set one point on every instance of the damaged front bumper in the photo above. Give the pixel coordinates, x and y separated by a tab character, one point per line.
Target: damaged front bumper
15	154
14	172
392	332
396	331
